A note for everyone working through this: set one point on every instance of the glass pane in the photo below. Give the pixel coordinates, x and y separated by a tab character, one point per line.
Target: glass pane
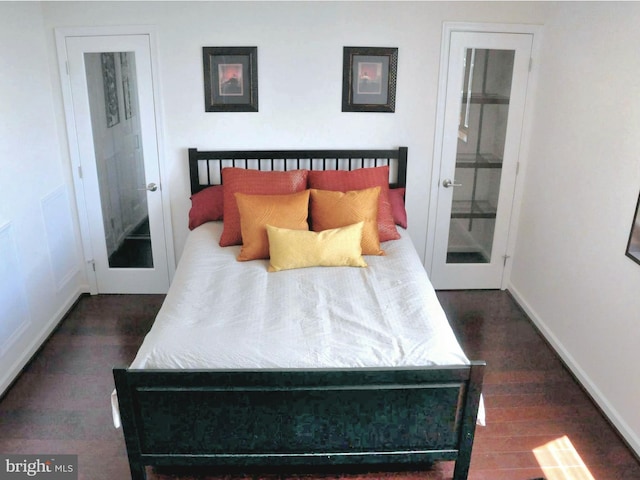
113	100
481	139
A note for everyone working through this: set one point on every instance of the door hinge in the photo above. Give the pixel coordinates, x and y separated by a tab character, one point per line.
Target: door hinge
66	66
93	264
505	258
517	168
530	63
80	171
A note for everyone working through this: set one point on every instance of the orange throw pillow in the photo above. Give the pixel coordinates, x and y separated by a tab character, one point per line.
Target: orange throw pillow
359	179
253	182
256	211
330	209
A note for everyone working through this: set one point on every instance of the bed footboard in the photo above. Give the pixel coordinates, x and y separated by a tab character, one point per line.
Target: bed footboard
410	416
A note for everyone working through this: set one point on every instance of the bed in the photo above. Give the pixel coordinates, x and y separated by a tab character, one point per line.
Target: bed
309	367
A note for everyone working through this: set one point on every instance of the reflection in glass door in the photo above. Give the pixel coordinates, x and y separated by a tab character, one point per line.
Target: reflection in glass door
480	148
115	122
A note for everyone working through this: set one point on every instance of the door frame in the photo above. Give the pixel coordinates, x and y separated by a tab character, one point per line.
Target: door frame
447	29
61	35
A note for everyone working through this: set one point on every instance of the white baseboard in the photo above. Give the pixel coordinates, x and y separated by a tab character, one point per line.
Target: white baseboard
15	369
596	394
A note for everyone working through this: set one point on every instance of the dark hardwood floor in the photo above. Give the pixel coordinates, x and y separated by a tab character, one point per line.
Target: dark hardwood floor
539	421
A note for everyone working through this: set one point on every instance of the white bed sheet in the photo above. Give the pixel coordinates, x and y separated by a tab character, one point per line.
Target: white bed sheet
221	313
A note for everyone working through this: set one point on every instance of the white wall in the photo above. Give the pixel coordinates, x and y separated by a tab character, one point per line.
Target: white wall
570	271
40	258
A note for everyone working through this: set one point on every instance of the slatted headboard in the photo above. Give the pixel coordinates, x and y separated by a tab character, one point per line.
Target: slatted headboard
205	166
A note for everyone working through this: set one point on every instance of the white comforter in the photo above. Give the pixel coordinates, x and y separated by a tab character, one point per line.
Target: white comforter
221	313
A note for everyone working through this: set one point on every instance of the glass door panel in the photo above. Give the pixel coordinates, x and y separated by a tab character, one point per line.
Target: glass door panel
482	129
113	102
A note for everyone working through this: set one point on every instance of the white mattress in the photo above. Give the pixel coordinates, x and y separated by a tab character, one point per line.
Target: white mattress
221	313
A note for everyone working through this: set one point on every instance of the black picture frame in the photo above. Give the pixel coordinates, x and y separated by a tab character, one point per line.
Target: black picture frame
230	79
111	104
369	76
633	245
125	70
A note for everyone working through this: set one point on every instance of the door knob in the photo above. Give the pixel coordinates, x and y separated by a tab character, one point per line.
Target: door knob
447	183
152	187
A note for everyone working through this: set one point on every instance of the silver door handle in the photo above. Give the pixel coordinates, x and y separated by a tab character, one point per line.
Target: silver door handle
448	184
152	187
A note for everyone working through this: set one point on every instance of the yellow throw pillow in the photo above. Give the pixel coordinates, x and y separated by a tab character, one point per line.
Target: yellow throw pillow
330	248
256	211
330	209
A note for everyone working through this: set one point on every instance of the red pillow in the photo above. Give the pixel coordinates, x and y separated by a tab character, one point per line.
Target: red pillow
206	206
360	179
253	182
396	198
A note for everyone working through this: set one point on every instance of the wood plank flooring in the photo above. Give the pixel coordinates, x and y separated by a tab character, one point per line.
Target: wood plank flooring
539	421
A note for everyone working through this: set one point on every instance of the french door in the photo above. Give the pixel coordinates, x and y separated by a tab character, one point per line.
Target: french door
113	132
486	87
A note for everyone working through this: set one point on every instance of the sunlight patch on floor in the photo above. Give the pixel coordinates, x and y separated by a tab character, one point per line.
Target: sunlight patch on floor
559	460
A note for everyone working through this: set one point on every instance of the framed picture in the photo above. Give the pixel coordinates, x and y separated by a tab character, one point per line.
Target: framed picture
633	246
369	79
230	79
126	87
111	105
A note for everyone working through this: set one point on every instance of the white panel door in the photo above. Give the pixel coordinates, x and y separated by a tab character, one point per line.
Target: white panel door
487	77
113	111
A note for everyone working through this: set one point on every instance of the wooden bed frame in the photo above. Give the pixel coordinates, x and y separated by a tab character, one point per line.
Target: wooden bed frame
265	419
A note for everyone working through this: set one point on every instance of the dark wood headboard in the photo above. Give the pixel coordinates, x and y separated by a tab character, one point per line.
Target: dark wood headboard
205	166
